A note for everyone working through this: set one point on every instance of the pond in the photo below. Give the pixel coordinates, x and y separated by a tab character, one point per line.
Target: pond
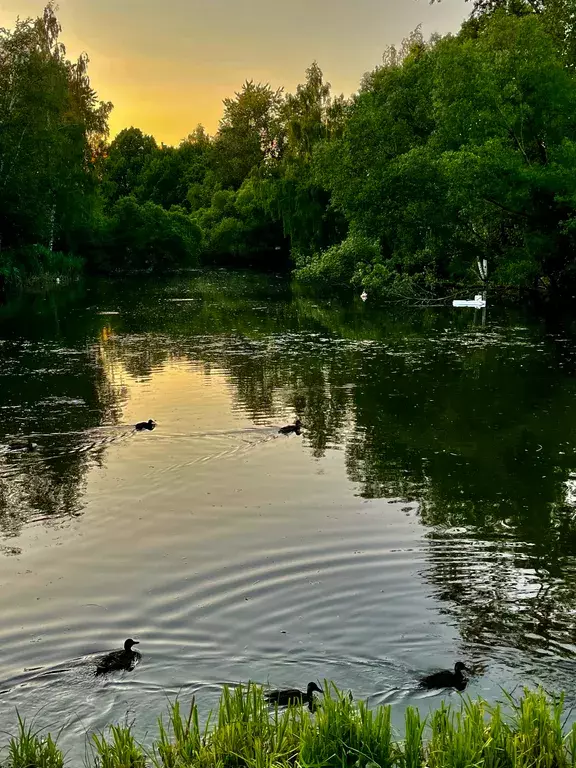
425	514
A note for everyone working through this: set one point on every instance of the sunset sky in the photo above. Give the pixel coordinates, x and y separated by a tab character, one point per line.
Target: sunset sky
166	66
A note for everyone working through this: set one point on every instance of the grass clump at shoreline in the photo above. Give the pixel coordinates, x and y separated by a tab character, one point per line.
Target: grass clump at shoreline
36	264
245	732
31	749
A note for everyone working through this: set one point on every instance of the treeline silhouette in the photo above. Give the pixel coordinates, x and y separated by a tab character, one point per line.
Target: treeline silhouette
454	150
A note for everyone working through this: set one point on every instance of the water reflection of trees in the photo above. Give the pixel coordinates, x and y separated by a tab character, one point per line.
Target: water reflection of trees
504	597
53	388
474	423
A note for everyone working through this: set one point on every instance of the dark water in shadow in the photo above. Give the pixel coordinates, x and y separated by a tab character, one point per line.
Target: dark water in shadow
425	515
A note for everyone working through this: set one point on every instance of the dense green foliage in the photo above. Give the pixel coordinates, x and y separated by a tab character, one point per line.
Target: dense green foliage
454	150
52	127
249	734
462	151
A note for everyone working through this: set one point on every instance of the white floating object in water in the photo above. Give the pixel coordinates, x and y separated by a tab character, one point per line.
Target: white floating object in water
363	295
478	302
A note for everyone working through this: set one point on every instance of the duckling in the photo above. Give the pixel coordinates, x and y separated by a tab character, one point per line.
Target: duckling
28	446
293	696
447	679
150	424
289	428
115	661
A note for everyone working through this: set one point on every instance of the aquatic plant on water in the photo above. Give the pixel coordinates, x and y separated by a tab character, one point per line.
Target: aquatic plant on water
245	732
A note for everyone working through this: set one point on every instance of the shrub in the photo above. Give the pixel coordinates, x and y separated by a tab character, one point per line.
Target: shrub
147	236
338	264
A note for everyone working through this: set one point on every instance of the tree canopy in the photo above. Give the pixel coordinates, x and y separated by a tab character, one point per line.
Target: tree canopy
453	150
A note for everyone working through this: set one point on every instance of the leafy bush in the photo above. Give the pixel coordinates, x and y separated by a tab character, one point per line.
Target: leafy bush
36	262
236	225
339	263
149	237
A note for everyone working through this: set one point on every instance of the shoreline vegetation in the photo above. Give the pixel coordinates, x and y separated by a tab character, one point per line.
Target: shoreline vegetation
454	150
245	732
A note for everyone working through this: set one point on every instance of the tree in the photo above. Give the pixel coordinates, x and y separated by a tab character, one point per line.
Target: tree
237	228
504	104
458	150
167	178
148	237
51	125
288	187
306	113
126	160
558	17
518	7
249	133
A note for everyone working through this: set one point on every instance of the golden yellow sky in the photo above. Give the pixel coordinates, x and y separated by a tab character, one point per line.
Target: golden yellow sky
166	66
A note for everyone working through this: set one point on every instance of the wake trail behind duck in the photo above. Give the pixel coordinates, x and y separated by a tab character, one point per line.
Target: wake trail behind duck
249	439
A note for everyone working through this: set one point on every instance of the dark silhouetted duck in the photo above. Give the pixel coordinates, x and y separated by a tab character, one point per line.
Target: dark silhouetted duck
289	428
28	446
447	679
115	661
293	696
150	424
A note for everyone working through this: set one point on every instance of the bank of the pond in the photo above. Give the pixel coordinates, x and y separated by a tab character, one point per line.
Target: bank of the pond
245	732
45	269
30	267
26	267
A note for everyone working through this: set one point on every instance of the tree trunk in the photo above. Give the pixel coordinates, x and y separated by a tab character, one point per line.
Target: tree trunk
52	217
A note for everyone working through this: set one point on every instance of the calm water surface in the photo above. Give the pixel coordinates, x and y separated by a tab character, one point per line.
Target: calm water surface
425	515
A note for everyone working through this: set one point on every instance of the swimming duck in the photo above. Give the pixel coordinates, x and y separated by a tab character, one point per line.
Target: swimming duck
115	661
447	679
296	427
293	696
150	424
28	446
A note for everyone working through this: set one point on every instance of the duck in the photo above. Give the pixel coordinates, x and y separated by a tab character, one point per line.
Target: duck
150	424
115	661
28	446
293	696
363	295
447	679
289	428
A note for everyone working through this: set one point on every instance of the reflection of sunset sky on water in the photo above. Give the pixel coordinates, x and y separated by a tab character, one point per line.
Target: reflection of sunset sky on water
423	516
